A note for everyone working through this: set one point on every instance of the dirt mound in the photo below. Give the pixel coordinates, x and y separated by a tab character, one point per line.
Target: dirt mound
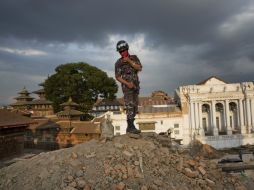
149	162
204	150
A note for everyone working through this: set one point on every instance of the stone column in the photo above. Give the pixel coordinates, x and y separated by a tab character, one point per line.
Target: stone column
248	114
196	115
215	130
243	130
225	116
192	116
201	129
229	129
244	114
238	116
252	112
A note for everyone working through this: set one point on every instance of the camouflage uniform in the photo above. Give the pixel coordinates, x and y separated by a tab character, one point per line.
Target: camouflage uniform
128	73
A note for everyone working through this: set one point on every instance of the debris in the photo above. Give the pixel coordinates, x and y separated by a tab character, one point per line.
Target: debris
122	163
188	172
120	186
118	145
93	154
201	170
210	182
127	155
134	136
74	155
237	166
141	164
204	150
230	160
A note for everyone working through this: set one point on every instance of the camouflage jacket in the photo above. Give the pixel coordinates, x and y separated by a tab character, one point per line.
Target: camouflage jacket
127	72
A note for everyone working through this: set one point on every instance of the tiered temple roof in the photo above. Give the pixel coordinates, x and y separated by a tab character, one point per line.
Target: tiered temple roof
24	99
69	110
42	99
38	108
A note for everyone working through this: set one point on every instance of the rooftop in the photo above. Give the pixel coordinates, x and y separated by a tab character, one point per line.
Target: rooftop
211	77
41	91
70	112
10	119
69	103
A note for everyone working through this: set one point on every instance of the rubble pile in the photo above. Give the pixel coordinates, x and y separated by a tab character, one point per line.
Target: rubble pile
204	150
150	162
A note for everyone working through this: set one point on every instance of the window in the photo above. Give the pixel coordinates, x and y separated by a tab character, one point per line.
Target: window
117	128
176	132
217	122
176	125
117	134
161	122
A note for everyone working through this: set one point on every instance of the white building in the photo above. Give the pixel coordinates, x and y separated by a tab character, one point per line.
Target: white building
158	113
219	114
159	119
213	111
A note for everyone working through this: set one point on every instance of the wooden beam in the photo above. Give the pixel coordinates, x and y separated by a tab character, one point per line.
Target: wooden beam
236	166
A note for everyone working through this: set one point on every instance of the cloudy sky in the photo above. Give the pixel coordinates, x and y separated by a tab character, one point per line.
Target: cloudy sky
179	42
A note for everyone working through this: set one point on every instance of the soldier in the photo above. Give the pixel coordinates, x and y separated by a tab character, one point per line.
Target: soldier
126	72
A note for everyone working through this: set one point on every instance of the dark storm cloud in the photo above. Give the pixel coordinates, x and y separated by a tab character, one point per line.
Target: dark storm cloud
185	41
91	20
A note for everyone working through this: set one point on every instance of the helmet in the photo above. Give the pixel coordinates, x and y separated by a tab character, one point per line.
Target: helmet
122	46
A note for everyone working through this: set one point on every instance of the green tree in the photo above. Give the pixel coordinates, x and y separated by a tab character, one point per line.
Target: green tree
81	81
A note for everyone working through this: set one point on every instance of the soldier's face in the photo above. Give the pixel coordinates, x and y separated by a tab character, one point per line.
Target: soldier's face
124	53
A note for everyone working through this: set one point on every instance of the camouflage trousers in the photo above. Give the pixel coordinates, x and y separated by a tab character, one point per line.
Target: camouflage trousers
131	104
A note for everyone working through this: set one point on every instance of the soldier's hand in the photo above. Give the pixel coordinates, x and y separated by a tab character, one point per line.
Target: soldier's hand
127	59
131	85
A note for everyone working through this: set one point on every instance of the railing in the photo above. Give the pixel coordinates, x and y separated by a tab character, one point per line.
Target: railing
225	137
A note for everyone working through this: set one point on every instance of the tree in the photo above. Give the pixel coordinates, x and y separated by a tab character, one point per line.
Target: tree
81	81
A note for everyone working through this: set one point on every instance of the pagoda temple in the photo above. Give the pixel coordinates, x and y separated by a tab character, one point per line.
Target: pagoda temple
41	107
69	112
38	108
23	100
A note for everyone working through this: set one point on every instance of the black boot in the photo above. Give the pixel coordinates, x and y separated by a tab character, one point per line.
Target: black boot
131	127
